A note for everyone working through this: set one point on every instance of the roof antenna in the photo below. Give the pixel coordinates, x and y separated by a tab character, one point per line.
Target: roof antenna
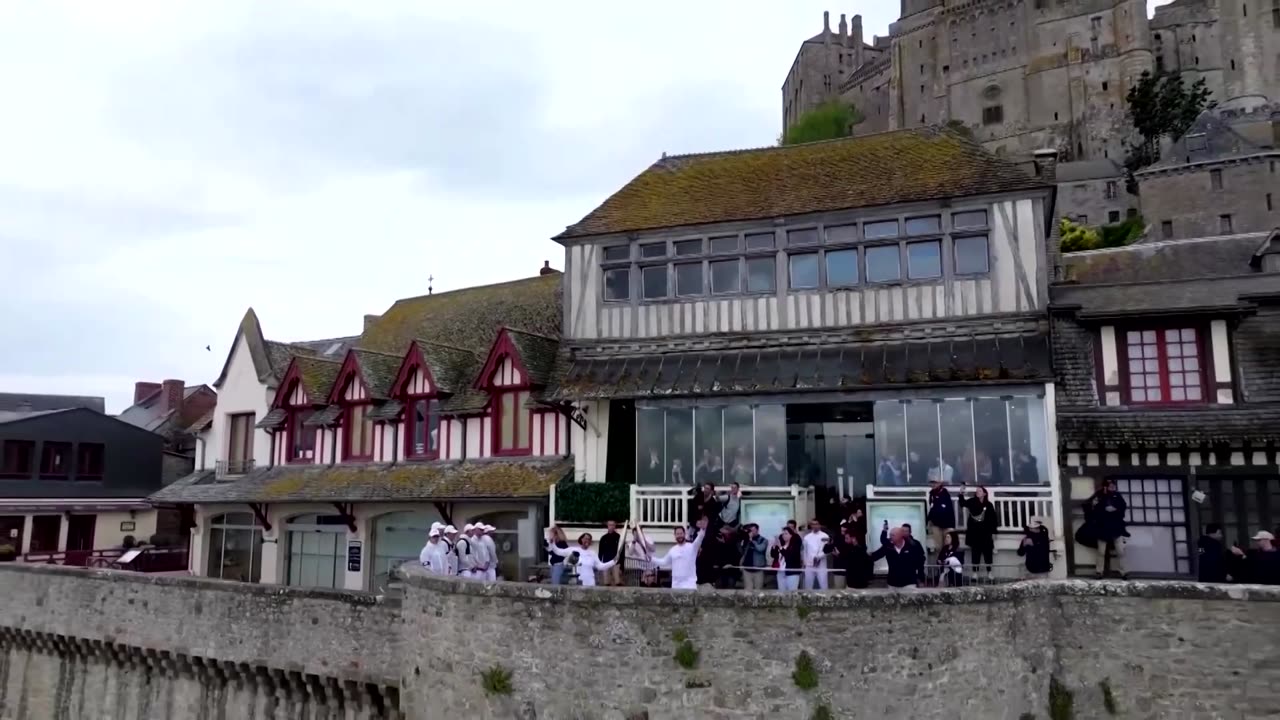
430	279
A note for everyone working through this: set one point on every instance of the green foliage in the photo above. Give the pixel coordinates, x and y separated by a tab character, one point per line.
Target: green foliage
806	673
1076	237
822	712
1161	106
958	126
1124	232
679	635
496	680
592	503
803	612
830	120
1060	701
1108	697
687	655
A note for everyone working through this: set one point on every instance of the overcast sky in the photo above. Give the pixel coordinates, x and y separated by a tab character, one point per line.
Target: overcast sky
165	164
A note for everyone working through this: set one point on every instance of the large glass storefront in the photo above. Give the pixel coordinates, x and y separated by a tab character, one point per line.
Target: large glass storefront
961	437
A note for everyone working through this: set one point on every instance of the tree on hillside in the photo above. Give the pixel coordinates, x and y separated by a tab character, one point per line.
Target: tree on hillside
1161	106
830	120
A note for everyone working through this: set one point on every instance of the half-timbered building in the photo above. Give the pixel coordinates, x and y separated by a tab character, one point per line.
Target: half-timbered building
1166	355
433	413
839	318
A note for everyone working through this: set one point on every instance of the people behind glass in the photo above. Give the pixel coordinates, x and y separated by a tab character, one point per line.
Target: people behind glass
980	526
741	472
889	472
677	472
651	472
773	471
710	468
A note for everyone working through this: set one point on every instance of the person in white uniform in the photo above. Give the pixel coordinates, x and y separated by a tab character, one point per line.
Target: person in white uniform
469	556
434	554
682	558
451	541
815	557
491	550
589	562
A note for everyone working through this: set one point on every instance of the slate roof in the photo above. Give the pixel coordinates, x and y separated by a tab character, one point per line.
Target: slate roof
1212	137
273	420
1177	275
538	352
453	368
147	414
12	402
764	183
389	410
8	416
324	417
1084	170
203	422
1150	428
317	376
378	370
816	368
439	480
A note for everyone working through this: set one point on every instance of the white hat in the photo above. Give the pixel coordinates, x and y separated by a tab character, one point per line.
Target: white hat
488	528
435	532
449	530
437	526
468	527
1264	535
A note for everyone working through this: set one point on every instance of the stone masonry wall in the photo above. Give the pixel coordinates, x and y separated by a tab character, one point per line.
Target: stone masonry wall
99	644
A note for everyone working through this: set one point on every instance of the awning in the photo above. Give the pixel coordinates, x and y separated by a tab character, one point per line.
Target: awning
809	368
71	505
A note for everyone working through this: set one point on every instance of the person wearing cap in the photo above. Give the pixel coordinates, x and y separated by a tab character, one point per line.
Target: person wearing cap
434	554
682	558
490	551
469	557
450	537
1261	565
589	562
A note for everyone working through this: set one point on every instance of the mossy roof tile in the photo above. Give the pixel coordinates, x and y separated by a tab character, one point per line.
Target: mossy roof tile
881	169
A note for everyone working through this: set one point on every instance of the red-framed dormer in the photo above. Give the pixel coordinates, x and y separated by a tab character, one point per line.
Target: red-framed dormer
351	393
300	392
424	431
505	377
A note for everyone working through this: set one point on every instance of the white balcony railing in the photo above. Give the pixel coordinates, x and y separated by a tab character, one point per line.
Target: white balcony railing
660	506
1015	506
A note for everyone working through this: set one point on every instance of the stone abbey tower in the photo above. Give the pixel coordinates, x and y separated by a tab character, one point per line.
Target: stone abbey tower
1028	74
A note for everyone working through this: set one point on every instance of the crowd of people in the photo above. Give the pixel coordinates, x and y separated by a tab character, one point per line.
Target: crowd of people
471	553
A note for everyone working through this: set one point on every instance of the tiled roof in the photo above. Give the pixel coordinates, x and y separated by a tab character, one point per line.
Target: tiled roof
817	368
537	352
440	480
1195	258
378	370
1166	295
203	422
389	410
15	401
764	183
273	419
324	417
317	376
1192	427
453	368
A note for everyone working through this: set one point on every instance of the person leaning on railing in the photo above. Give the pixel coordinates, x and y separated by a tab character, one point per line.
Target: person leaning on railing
903	558
1035	548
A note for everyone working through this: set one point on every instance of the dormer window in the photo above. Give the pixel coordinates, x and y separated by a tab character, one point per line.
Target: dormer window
512	421
422	429
301	439
1164	366
358	429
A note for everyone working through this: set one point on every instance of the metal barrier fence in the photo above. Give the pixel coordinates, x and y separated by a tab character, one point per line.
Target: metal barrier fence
932	576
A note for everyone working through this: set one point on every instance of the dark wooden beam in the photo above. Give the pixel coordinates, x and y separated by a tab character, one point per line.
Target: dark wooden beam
260	512
346	510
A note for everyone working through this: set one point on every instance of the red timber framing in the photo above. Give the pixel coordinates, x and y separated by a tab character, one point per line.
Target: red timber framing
416	387
506	379
1157	368
297	443
352	393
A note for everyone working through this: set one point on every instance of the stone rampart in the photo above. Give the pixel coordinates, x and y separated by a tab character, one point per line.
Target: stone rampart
98	644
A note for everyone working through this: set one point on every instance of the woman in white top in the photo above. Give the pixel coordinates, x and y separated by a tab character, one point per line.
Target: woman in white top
589	562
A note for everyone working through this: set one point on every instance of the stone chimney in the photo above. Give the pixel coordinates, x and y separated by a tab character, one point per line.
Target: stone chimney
855	39
371	319
171	392
826	27
844	29
144	390
546	268
1046	163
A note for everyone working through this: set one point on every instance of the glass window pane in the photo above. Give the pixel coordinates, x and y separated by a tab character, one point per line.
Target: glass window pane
507	423
739	441
653	250
957	438
680	446
991	432
724	244
883	229
761	276
891	442
214	567
924	260
655	282
970	219
688	247
650	441
708	441
804	271
923	448
842	233
883	264
726	276
842	267
760	241
617	284
617	253
971	255
924	225
808	236
689	279
771	445
1027	438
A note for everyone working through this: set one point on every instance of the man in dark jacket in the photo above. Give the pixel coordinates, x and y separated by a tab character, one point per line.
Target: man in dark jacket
1261	565
905	561
942	512
916	546
1105	512
725	557
1036	549
1213	555
610	541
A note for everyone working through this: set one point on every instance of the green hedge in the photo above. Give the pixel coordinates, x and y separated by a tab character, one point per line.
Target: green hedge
592	503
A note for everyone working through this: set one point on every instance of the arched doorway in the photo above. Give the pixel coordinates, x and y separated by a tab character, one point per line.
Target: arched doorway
235	547
317	551
397	538
507	539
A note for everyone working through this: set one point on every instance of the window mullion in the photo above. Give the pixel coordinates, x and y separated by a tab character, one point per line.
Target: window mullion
1162	350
